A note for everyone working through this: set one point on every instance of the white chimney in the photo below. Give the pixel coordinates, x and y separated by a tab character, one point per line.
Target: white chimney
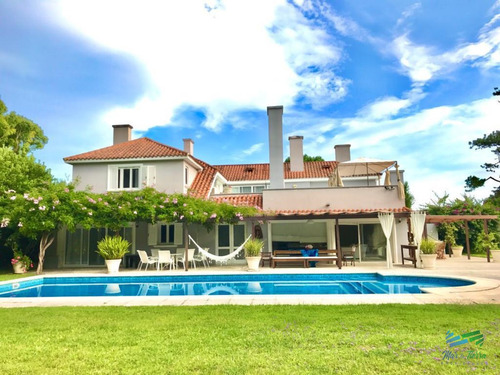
296	153
122	133
276	174
342	153
188	145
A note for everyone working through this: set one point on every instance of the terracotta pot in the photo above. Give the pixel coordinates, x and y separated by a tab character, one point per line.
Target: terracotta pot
19	267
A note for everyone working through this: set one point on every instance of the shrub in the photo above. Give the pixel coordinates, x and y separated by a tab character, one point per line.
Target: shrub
253	247
112	247
428	246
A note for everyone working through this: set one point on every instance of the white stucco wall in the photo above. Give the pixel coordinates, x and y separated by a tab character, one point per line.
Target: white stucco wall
331	198
94	175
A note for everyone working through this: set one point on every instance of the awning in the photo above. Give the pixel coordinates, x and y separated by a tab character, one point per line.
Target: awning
364	167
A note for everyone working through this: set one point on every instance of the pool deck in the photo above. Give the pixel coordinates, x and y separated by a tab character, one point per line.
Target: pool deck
485	291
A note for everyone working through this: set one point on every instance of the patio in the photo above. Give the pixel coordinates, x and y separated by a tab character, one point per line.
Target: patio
486	289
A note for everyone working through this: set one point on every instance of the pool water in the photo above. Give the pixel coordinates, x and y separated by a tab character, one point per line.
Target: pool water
261	284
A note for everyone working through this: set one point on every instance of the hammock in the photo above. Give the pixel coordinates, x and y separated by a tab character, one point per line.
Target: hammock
222	259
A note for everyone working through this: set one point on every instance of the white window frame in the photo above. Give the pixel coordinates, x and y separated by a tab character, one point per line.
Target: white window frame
232	246
121	178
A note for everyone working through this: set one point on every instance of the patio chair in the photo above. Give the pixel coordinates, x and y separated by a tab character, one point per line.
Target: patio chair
144	259
164	258
348	256
191	258
200	257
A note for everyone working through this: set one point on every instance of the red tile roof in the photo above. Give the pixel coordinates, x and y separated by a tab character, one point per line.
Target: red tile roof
259	172
141	148
252	200
203	181
337	211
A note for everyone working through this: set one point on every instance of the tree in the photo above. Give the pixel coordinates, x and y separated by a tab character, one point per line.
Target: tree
19	133
42	212
307	158
491	140
21	172
409	198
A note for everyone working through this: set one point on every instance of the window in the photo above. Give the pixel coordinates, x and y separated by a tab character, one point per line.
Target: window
167	233
248	189
128	178
186	175
229	237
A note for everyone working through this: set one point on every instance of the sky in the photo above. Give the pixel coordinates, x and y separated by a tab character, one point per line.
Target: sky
401	80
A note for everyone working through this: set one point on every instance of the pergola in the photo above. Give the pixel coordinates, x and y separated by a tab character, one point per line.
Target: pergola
440	219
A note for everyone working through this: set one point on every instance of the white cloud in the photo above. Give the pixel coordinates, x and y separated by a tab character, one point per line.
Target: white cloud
203	54
253	149
423	63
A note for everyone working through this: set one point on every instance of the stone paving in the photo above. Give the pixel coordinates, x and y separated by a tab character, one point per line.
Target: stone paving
485	290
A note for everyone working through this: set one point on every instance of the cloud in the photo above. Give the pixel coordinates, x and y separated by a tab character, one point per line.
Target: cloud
423	63
253	149
203	53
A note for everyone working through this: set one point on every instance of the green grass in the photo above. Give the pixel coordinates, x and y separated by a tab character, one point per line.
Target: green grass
349	339
8	275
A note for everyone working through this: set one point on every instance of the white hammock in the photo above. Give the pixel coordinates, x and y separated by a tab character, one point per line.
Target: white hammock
217	258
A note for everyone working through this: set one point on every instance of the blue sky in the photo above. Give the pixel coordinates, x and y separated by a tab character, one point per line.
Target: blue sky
398	80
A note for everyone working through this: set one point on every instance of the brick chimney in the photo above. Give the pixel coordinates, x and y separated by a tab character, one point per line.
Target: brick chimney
296	153
276	174
122	133
188	145
342	153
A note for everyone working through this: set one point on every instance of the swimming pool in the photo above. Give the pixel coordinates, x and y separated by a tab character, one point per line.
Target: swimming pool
237	284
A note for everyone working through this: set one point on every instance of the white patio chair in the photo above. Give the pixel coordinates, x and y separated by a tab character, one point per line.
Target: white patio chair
144	259
190	258
164	258
200	257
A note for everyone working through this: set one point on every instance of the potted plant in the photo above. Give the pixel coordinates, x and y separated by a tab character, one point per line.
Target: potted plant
449	237
252	248
112	249
490	241
21	263
428	253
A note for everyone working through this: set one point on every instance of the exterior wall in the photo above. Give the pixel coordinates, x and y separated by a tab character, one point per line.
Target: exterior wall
169	175
331	198
191	171
94	175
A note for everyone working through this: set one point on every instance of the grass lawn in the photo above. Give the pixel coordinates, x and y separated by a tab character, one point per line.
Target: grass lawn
8	275
362	339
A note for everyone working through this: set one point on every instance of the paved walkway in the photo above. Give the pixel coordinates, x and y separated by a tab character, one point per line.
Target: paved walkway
485	290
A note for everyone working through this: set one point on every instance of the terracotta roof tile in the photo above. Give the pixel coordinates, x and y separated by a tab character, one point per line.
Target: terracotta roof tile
339	211
259	172
140	148
203	181
252	200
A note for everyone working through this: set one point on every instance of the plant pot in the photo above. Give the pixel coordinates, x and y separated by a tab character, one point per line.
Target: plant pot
253	263
19	267
495	255
457	251
428	261
113	265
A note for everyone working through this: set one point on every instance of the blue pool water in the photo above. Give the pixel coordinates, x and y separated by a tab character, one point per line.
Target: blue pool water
263	284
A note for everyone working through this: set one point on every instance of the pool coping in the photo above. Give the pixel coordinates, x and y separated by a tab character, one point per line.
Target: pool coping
483	291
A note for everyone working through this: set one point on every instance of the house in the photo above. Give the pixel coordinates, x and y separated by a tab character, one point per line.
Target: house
300	205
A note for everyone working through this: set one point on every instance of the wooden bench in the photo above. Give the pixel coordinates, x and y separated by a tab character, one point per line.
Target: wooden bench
286	256
411	254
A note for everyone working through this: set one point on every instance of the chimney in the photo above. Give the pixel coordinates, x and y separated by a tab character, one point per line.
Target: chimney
122	133
296	153
342	153
276	174
188	145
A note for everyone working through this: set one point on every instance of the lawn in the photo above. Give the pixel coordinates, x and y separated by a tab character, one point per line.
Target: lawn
8	275
349	339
